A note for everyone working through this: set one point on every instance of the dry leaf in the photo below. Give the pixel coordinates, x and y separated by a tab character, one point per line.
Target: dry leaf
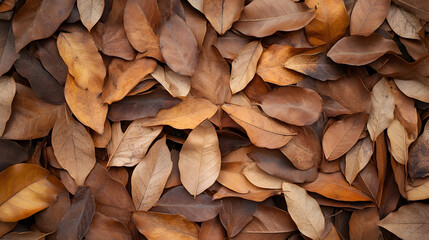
222	13
177	85
417	89
235	214
367	16
399	141
11	153
260	178
404	23
418	7
8	53
363	224
90	12
49	219
357	158
418	161
107	228
7	93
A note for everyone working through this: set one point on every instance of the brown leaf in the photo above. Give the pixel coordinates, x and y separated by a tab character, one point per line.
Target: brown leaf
212	230
262	131
235	214
399	141
417	89
101	140
404	23
222	13
340	137
363	224
150	175
39	19
87	106
7	5
90	12
317	66
418	163
107	228
85	64
367	16
8	53
128	148
255	194
26	189
7	93
25	235
161	226
11	153
260	178
334	186
231	43
231	176
140	106
140	20
261	18
186	115
73	147
179	201
409	222
357	158
293	105
196	22
49	219
271	65
418	7
199	161
47	52
31	118
124	76
304	211
7	227
177	85
357	50
77	220
330	22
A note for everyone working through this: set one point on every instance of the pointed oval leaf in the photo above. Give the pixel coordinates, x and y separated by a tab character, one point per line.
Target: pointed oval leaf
367	16
177	85
404	23
108	228
357	158
222	13
7	93
90	12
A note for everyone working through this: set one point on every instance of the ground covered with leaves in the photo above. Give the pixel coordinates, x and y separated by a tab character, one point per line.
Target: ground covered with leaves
214	119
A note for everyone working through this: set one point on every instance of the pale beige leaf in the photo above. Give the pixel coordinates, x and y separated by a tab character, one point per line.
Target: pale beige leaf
87	106
404	23
73	147
90	12
260	178
199	159
150	176
128	148
222	13
357	158
262	131
177	85
304	210
420	192
399	141
244	66
84	62
186	115
417	89
382	107
197	4
409	222
31	118
7	93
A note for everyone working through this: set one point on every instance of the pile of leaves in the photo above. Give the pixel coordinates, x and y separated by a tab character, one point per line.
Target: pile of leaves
214	119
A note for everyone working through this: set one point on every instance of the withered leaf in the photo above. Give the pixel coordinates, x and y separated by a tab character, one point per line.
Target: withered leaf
47	52
11	153
8	53
235	214
367	16
212	230
177	85
416	89
260	178
399	141
108	228
7	93
231	43
418	163
404	23
357	158
222	13
49	219
363	224
418	7
90	12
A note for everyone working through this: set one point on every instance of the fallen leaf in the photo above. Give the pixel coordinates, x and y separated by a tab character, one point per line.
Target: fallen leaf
49	219
417	7
212	230
403	23
29	235
416	89
222	13
260	178
26	189
161	226
399	141
261	18
47	52
7	227
199	160
367	16
418	161
101	140
150	175
357	158
11	153
230	43
235	214
108	228
90	12
363	224
128	148
177	85
196	22
255	194
8	53
7	93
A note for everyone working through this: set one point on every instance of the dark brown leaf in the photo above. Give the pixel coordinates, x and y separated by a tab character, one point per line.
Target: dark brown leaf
235	214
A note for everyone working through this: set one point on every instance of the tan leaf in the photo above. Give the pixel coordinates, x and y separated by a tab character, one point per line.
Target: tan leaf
357	158
382	107
261	179
85	64
7	93
90	12
161	226
271	65
367	16
101	140
196	22
363	224
244	66
420	192
186	115
340	137
410	222
231	176
418	162
31	118
417	89
73	147
230	44
399	141
8	53
261	18
177	85
150	175
262	131
222	13
88	107
128	148
404	23
304	210
199	159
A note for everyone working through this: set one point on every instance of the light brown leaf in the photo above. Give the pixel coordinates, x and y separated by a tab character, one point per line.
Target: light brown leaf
177	85
107	228
244	66
7	93
418	162
417	89
150	175
262	131
382	107
8	53
260	178
90	12
418	7
363	224
85	64
73	147
404	23
199	159
128	148
357	158
367	16
101	140
304	211
399	141
222	13
231	176
231	43
196	22
87	106
261	18
161	226
340	137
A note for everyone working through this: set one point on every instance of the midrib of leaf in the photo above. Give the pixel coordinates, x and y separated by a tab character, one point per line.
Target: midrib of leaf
200	161
340	140
294	15
250	60
117	146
